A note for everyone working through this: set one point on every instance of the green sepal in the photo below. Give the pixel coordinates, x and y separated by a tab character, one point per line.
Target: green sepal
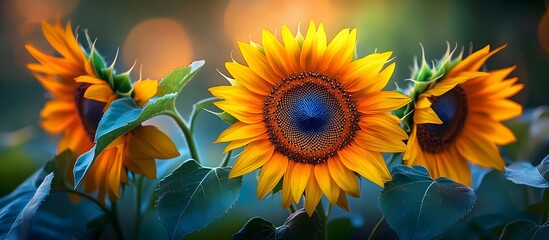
122	84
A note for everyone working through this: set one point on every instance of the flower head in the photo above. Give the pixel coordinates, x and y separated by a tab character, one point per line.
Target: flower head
311	115
457	116
81	92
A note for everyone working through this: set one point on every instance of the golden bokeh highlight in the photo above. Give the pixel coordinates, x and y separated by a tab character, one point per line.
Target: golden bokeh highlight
244	19
158	45
36	11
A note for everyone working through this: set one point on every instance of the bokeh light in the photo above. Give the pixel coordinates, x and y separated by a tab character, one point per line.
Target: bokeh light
158	45
244	19
37	11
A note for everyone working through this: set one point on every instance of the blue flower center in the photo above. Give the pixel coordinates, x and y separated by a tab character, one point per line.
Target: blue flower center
451	108
309	117
90	111
311	113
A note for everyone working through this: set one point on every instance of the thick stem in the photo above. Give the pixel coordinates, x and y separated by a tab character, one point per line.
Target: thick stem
115	222
226	159
323	234
84	195
374	232
138	207
186	132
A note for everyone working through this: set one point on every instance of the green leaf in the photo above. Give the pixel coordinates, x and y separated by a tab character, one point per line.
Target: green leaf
413	202
20	206
525	173
60	166
177	78
298	226
191	197
525	230
122	116
199	106
228	118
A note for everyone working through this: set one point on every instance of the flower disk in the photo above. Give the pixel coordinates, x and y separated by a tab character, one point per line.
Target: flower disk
311	116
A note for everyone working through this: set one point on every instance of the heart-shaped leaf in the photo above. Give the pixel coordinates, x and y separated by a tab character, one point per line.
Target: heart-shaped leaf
525	230
413	202
20	206
191	197
177	78
298	226
525	173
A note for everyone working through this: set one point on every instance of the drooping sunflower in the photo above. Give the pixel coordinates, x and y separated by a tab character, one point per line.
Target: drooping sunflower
311	115
458	109
79	97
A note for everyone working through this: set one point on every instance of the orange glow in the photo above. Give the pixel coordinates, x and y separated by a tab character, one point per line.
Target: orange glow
543	32
245	19
159	45
36	11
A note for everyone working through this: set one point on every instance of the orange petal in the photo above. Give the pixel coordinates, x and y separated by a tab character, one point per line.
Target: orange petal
271	173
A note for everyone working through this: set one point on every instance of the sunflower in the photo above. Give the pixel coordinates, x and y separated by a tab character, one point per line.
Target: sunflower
457	116
79	99
311	115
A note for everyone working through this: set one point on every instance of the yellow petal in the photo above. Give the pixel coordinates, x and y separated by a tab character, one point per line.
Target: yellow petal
144	90
239	94
90	80
327	185
336	50
286	185
452	166
299	179
474	61
275	53
342	201
240	130
245	114
480	151
258	63
57	115
364	73
383	125
500	110
292	49
365	163
248	78
255	155
312	195
343	177
101	93
309	56
426	115
271	173
379	143
242	142
149	142
383	101
490	129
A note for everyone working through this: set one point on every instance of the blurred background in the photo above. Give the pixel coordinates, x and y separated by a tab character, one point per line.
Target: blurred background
160	35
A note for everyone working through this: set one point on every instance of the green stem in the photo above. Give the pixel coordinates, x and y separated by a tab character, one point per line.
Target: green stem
376	228
84	195
115	222
186	132
392	159
226	159
323	235
292	208
138	208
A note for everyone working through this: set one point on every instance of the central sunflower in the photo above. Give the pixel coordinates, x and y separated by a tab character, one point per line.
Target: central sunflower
311	115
